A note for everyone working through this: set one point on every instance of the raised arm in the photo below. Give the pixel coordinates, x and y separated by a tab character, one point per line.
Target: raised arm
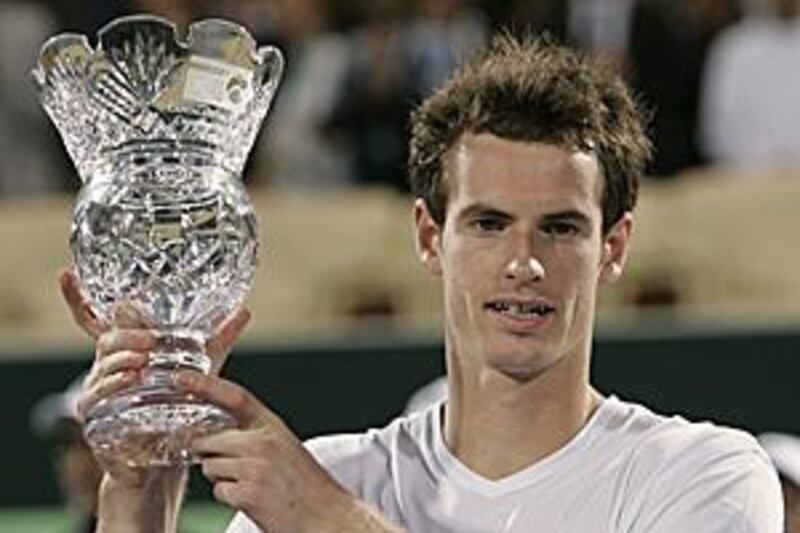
133	499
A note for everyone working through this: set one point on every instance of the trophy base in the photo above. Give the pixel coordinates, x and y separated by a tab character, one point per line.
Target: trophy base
152	424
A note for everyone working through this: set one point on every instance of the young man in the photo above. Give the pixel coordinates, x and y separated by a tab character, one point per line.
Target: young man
525	166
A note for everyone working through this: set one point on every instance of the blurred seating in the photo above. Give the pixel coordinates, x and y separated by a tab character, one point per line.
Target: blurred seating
706	247
724	246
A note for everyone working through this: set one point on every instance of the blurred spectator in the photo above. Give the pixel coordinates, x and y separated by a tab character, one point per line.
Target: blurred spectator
750	112
669	42
659	45
373	106
394	60
297	150
784	450
441	34
28	147
601	26
55	419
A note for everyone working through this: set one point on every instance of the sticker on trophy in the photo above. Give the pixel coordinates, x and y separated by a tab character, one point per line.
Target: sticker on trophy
217	83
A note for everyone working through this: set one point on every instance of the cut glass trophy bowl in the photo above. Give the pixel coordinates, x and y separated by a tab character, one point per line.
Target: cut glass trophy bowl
159	130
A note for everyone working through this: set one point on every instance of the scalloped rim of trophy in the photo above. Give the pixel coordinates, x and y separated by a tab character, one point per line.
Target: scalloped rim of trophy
264	59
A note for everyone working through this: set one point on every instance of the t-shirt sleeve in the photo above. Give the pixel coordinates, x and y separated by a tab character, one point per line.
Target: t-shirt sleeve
723	484
340	455
242	524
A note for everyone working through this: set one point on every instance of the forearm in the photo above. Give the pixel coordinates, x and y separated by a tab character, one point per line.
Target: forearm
354	515
150	507
369	521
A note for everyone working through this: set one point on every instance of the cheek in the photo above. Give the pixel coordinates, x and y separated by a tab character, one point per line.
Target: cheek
576	273
573	267
466	272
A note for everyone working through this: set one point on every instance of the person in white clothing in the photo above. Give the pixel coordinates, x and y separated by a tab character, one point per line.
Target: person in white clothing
749	115
525	167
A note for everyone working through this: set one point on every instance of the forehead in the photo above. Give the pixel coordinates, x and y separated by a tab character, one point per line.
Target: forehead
486	168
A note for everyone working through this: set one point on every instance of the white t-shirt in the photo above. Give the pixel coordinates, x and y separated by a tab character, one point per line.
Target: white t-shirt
627	471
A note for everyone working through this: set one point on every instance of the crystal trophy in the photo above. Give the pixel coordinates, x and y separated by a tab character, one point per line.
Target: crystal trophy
159	130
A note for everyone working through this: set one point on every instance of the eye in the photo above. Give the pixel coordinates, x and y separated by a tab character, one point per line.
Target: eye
489	224
561	229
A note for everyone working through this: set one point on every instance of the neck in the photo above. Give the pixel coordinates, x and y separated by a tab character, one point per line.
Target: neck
497	425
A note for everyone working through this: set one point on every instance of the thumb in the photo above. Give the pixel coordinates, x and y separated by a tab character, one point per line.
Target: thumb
126	316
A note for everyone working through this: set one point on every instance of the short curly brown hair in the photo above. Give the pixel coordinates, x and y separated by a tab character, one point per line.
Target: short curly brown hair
529	89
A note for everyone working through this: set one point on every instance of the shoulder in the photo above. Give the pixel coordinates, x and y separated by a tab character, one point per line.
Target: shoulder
695	475
357	460
345	447
672	442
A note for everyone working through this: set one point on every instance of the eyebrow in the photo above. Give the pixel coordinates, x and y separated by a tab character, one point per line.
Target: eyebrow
483	210
567	215
571	215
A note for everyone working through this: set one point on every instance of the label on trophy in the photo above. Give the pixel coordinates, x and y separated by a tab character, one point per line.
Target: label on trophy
217	83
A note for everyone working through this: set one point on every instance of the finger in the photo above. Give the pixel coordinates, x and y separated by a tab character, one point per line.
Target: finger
81	310
236	443
242	405
223	469
226	335
126	316
102	388
121	361
226	493
118	340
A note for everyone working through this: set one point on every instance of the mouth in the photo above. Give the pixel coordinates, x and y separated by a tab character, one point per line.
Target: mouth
520	309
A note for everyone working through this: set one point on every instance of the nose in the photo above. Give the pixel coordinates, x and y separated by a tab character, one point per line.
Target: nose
523	265
525	269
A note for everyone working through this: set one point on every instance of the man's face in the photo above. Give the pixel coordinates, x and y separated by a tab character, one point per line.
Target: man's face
521	253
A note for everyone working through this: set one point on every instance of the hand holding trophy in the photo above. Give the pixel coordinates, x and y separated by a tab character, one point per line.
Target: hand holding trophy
159	131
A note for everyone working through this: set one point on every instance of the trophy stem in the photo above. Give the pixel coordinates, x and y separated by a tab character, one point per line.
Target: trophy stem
152	423
180	349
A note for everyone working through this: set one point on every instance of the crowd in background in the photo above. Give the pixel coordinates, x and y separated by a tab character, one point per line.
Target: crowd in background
720	77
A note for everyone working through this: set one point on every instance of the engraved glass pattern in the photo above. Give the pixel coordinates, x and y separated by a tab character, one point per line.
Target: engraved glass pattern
163	230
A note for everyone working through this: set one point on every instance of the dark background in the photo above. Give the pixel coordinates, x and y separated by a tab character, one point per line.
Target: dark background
747	380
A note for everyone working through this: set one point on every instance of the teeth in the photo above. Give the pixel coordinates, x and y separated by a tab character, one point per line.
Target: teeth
521	309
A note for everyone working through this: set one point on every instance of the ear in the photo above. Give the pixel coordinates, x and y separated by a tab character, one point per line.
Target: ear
616	244
428	238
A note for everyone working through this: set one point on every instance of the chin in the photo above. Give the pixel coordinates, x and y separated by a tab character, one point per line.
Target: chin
522	367
519	374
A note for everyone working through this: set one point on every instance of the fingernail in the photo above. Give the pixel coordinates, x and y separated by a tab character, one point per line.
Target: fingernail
183	379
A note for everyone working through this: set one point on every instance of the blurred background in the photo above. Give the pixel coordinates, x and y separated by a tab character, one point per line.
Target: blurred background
706	322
